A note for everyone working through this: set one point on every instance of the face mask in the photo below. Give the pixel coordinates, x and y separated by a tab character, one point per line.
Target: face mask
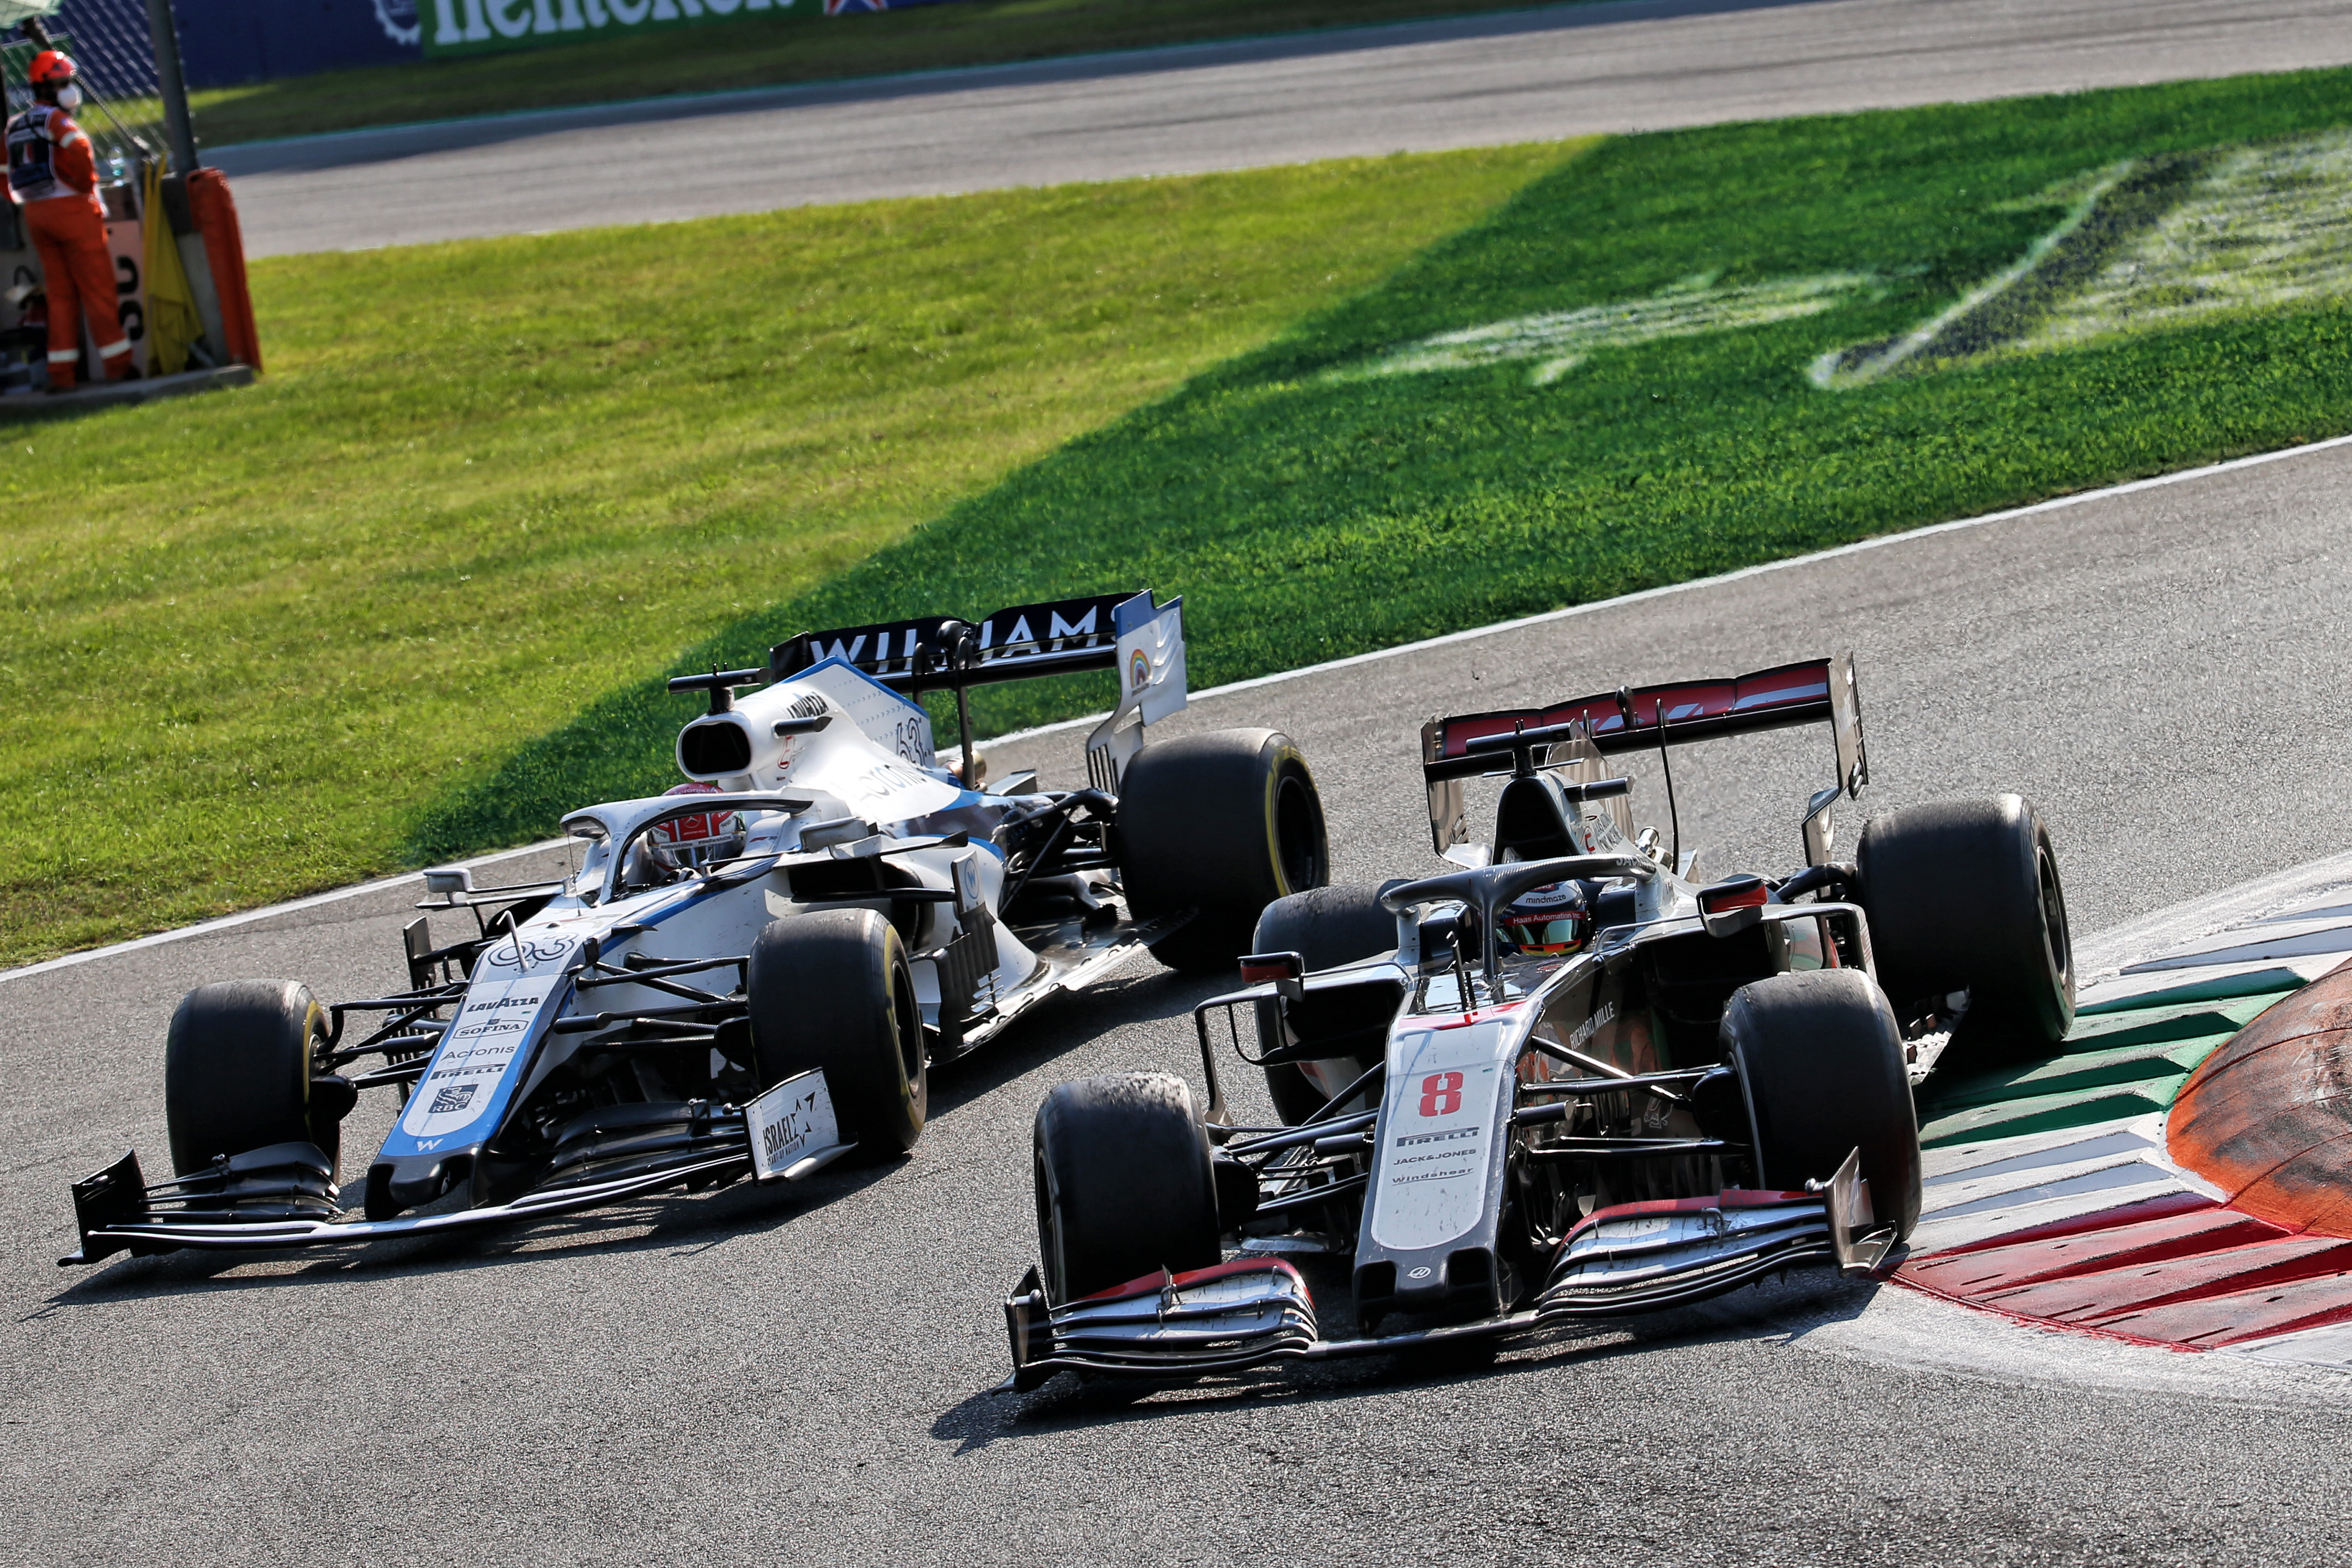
68	96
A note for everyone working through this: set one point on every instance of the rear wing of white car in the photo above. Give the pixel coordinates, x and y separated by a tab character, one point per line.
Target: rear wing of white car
1126	632
1651	718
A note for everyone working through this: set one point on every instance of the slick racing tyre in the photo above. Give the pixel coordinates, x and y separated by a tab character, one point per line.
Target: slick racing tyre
1964	896
1222	824
832	990
1327	927
1821	1062
1124	1184
239	1073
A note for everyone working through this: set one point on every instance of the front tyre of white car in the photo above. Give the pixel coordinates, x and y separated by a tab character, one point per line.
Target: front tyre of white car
240	1073
832	991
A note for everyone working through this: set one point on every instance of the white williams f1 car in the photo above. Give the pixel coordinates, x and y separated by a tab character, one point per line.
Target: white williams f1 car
752	973
1562	1083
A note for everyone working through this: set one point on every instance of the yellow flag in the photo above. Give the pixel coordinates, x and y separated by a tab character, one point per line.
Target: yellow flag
171	323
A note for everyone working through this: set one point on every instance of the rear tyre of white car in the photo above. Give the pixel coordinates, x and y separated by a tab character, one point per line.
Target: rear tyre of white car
1964	896
237	1070
1821	1059
1124	1184
832	991
1326	927
1222	824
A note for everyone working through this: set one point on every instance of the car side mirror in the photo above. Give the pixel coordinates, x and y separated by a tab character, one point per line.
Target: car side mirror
1286	971
454	883
1821	826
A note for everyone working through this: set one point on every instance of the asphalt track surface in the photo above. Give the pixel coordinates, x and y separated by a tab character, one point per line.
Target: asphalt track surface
1613	65
801	1376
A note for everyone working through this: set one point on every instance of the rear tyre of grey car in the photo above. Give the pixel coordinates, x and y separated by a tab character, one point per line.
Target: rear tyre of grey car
237	1069
1124	1184
1222	824
1965	896
832	990
1821	1059
1326	927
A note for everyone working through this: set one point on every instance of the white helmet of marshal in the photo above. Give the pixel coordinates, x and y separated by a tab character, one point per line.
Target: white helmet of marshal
1546	921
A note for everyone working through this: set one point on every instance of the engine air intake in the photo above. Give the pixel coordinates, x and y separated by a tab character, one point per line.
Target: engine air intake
706	749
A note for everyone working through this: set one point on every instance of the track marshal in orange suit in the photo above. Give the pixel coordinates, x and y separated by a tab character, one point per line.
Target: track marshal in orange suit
53	176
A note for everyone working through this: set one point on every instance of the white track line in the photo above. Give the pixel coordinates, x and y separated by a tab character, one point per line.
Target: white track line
204	928
2161	932
1879	541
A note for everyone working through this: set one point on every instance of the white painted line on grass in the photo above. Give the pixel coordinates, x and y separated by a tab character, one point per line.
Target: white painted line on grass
1879	541
203	928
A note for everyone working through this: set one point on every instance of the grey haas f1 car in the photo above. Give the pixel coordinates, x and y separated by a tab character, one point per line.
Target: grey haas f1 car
1562	1083
750	975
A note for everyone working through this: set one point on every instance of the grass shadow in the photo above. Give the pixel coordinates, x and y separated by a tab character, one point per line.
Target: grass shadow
1306	517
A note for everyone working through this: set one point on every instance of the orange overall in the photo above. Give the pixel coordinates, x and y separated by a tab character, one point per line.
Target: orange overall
51	172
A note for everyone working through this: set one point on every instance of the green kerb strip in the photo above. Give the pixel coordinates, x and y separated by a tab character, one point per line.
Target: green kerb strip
2121	1059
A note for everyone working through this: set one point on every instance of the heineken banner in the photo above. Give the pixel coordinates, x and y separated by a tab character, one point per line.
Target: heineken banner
483	26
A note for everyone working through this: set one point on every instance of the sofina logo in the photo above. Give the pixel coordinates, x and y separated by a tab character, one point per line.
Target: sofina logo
475	27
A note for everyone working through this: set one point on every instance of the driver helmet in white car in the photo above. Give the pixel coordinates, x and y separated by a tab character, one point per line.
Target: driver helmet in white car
691	842
1549	921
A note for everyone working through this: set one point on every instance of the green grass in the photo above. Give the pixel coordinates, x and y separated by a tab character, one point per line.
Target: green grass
1306	519
252	636
413	595
801	46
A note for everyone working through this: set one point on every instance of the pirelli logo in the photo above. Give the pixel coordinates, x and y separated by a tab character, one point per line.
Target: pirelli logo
1453	1136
